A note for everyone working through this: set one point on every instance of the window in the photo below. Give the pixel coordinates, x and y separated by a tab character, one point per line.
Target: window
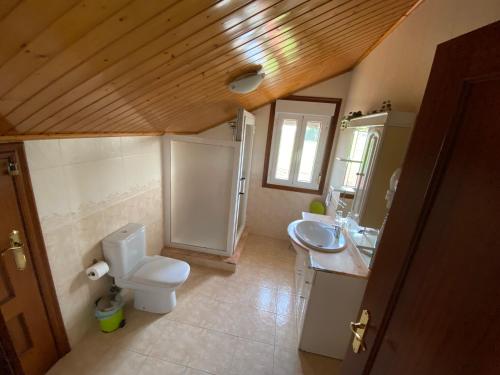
297	150
297	155
355	156
299	142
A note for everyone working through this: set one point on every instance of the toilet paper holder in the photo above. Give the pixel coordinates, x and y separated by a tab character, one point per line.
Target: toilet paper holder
94	273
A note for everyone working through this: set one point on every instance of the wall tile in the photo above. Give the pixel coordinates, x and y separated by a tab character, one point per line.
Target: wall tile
152	167
89	232
64	258
80	150
154	238
140	145
112	179
83	193
110	147
135	176
84	186
51	194
43	154
115	217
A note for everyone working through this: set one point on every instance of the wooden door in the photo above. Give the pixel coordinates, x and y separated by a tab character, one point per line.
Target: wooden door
32	337
434	293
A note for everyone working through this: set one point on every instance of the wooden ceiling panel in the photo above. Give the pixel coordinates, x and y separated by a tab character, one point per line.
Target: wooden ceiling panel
286	57
190	85
129	66
298	56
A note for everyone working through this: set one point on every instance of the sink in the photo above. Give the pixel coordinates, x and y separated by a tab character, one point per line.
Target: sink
320	236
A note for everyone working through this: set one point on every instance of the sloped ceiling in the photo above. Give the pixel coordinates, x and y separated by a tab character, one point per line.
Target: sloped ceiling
149	66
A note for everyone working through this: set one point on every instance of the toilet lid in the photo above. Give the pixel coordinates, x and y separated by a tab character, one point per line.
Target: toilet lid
162	271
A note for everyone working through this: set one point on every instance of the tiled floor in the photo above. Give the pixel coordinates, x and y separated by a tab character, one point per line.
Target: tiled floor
241	323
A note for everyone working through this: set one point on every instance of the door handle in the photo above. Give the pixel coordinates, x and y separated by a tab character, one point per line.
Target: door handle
17	248
358	329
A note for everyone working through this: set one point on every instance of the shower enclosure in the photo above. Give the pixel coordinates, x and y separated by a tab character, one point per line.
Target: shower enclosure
206	188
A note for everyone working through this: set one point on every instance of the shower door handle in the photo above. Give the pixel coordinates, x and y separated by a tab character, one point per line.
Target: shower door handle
243	185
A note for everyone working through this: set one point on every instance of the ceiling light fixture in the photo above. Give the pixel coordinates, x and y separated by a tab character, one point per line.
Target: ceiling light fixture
247	82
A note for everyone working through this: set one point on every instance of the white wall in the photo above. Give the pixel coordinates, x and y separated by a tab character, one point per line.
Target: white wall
85	189
271	210
398	69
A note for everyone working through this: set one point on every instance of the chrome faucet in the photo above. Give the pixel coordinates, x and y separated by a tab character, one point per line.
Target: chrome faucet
336	231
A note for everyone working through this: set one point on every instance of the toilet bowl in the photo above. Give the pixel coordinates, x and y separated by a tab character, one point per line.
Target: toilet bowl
153	279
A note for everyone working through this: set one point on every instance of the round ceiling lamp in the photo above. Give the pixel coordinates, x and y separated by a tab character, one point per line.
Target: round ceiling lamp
247	82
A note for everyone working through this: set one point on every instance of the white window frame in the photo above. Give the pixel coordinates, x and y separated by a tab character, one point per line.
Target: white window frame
302	120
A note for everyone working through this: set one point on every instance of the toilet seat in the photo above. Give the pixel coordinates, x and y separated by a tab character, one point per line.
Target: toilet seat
161	271
156	273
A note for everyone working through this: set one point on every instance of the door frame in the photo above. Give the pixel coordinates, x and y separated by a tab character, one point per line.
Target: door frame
38	254
424	167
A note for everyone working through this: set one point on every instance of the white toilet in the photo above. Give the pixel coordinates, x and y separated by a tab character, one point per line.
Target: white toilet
152	278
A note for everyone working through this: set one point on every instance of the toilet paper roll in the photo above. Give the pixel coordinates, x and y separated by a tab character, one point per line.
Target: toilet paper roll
97	270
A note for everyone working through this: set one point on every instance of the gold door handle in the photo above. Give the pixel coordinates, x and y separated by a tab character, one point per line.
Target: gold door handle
17	248
358	329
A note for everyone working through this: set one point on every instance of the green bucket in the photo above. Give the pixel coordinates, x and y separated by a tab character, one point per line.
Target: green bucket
109	313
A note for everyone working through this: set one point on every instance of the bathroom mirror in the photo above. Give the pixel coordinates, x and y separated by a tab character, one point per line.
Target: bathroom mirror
368	152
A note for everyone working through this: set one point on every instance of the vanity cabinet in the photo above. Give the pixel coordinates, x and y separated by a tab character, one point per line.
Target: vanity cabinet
327	302
330	288
304	278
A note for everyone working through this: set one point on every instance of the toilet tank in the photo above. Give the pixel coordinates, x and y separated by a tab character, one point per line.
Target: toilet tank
124	248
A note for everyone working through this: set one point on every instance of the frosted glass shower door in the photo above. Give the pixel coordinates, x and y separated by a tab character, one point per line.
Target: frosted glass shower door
202	192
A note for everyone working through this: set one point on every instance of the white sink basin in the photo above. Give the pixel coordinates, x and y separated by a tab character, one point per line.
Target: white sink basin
320	236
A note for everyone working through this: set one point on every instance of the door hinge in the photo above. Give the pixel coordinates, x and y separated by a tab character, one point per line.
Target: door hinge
12	168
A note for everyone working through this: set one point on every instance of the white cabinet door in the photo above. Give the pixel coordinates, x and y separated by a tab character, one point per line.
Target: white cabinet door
366	169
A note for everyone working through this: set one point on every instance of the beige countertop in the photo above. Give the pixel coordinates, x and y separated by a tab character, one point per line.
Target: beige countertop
347	262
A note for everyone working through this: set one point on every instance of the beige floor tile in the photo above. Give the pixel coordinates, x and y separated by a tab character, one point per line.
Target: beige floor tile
179	343
66	365
196	310
252	324
252	357
233	293
285	281
241	323
294	362
214	352
141	339
285	303
262	298
222	319
208	287
153	366
94	345
287	362
123	362
192	371
286	331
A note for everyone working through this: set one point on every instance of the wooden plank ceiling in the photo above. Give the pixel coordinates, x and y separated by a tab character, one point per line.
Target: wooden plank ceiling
125	66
